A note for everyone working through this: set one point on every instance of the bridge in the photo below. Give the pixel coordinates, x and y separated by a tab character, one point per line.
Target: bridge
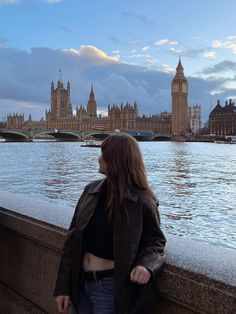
23	135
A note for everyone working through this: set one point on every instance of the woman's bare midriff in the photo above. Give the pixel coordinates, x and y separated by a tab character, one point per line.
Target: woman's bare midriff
92	262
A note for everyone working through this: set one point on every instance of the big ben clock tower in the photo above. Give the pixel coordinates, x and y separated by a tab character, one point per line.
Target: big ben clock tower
179	93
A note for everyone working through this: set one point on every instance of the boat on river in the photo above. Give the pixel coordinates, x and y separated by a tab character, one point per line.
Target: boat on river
221	142
231	139
91	144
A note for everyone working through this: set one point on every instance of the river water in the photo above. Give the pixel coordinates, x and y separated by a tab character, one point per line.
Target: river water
195	182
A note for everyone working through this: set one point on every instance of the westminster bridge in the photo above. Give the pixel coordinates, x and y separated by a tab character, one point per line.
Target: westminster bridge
23	135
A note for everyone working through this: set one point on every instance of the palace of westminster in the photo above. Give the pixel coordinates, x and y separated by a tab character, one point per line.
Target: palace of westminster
183	119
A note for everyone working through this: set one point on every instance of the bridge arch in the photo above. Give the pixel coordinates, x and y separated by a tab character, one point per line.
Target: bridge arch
97	135
161	138
60	135
13	136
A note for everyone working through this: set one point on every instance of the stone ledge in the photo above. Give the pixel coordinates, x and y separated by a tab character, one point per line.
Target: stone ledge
37	209
201	294
197	278
41	232
14	303
202	258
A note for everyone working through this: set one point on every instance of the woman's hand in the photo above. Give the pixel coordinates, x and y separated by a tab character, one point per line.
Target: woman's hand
140	275
62	303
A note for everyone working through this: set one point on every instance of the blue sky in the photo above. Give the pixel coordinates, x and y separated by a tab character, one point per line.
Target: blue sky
128	49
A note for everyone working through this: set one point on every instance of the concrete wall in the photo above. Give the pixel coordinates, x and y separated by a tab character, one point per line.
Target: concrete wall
197	278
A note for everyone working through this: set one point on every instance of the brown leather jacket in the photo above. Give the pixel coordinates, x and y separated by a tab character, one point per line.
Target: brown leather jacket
140	241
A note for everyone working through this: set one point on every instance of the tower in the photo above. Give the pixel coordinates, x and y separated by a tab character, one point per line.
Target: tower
195	118
91	105
60	101
179	93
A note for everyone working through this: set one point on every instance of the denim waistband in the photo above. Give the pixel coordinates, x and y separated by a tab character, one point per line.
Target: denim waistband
97	274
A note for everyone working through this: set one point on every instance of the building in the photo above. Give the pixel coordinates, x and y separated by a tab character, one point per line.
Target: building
194	116
124	117
91	105
60	109
222	119
15	121
159	123
179	93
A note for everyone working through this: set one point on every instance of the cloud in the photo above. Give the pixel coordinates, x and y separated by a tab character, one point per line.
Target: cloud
167	69
138	17
151	62
165	41
230	85
94	54
115	51
26	76
139	55
217	44
146	48
161	42
193	53
27	107
228	43
220	67
209	54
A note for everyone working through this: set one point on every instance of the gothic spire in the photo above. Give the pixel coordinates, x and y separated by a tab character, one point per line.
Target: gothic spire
91	95
179	68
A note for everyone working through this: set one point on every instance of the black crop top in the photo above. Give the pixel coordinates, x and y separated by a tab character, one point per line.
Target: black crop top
98	234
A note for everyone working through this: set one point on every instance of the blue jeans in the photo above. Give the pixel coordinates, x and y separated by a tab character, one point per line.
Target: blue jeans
96	297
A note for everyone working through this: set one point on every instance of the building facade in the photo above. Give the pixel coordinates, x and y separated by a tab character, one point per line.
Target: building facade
123	117
119	117
194	117
60	109
222	119
179	93
15	121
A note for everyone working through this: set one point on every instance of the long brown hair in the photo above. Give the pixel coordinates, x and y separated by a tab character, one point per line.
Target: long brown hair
125	172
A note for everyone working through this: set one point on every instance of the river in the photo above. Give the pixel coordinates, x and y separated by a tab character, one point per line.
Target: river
195	182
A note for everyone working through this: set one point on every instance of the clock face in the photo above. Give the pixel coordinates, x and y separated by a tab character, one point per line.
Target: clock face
175	87
184	88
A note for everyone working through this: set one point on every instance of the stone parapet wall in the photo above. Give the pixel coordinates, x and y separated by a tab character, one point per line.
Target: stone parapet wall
29	261
197	278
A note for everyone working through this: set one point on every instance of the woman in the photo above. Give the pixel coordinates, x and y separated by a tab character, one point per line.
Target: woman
115	246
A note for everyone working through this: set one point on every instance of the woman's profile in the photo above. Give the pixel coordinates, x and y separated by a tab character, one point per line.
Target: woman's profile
114	247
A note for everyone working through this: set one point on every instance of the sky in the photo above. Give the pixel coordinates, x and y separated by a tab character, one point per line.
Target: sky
128	50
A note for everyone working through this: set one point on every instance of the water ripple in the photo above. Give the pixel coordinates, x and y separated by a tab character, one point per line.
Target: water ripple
195	182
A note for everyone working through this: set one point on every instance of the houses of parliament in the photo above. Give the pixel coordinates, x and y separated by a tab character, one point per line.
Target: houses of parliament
123	117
